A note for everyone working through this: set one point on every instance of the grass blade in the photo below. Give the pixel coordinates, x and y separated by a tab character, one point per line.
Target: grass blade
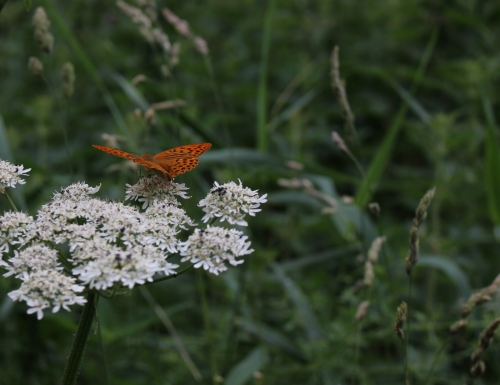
310	322
5	153
381	159
244	370
451	269
275	338
492	163
262	90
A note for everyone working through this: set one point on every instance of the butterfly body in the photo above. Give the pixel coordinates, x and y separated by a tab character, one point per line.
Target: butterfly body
167	164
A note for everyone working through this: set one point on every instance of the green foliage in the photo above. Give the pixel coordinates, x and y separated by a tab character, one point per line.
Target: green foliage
422	81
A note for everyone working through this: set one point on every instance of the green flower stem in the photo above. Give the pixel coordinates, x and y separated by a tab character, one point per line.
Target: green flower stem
186	269
11	202
82	335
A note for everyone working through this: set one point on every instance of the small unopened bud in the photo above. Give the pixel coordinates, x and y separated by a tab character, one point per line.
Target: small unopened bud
168	104
329	210
174	58
139	79
369	274
294	165
111	140
420	215
42	35
421	211
35	66
180	25
162	39
362	310
138	113
347	200
339	142
477	369
374	250
458	326
307	183
165	70
149	116
400	320
258	375
290	183
374	207
68	79
201	45
485	340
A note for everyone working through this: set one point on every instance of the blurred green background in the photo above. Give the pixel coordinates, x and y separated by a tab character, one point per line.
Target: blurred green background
422	80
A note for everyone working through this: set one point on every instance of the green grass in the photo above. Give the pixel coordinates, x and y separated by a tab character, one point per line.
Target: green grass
422	81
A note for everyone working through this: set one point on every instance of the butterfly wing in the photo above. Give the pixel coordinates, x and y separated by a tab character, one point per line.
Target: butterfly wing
189	150
129	156
180	159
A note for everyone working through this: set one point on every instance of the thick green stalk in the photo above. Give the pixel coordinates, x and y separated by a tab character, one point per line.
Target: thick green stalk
208	329
81	338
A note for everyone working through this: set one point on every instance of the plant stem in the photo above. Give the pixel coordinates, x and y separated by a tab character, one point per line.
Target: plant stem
407	336
11	202
206	320
81	338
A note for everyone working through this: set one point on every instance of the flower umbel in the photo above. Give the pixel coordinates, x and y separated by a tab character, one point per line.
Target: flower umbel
79	242
231	202
212	247
109	244
48	288
151	188
11	174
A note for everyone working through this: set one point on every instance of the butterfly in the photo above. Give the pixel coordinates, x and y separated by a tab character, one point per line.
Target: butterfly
167	164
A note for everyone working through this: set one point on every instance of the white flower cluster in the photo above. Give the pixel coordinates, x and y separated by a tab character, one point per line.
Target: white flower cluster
13	227
231	202
77	242
152	188
48	288
212	247
10	175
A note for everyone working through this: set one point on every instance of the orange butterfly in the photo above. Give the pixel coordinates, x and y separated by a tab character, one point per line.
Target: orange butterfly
167	164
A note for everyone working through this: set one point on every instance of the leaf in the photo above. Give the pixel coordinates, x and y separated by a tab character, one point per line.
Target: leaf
492	163
5	153
262	90
379	163
244	370
294	197
309	319
6	307
131	91
274	338
450	268
301	262
297	106
349	219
